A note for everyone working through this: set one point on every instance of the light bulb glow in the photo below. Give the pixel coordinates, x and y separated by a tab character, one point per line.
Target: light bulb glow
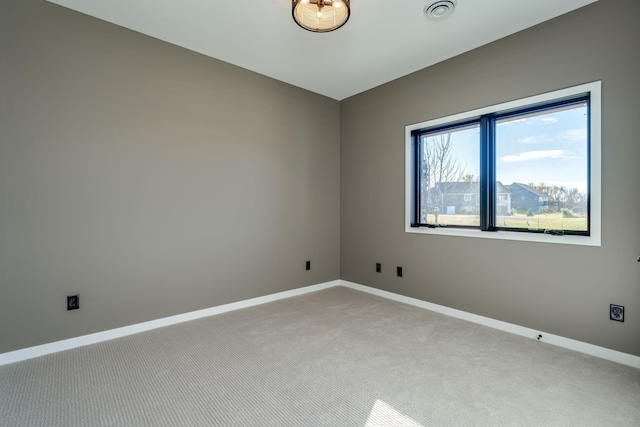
321	15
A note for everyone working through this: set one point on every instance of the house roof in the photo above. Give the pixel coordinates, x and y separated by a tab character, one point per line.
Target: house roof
464	187
526	188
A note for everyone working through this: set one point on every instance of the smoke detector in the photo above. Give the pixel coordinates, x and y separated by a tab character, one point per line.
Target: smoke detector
439	9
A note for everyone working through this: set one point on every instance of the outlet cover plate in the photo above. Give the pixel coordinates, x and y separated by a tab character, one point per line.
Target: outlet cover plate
616	312
73	302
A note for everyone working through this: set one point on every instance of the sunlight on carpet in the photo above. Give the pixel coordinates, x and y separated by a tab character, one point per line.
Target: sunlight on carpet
384	415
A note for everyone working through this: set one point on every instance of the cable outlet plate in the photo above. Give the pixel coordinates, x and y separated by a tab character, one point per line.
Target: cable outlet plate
616	312
378	267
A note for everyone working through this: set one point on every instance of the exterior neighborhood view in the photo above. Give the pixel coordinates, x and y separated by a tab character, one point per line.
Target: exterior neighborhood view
541	182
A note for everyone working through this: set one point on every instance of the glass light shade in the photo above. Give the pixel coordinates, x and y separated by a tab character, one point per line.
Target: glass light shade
321	16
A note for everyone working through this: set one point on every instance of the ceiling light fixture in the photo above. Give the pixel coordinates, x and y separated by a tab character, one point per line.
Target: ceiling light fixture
439	9
321	16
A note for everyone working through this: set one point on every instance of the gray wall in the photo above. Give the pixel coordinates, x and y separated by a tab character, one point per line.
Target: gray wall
155	181
564	290
150	179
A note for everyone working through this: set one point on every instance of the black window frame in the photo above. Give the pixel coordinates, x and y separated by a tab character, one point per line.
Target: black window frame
488	183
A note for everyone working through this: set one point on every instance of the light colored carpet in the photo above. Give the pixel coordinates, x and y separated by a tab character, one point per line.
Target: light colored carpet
337	357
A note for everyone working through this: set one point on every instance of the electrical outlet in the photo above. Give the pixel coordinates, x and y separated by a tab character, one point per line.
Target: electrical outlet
73	302
378	267
308	265
399	271
616	312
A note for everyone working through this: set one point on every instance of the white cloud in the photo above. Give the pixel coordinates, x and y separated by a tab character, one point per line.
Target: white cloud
548	120
538	139
570	136
535	155
574	135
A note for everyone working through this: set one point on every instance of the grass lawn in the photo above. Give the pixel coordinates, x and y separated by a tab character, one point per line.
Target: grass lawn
553	221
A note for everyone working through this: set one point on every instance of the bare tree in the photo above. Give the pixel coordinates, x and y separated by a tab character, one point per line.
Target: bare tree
562	196
439	167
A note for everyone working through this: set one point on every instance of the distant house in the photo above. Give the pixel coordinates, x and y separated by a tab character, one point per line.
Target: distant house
463	198
524	197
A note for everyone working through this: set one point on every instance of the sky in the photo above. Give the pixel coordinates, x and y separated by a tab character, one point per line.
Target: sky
549	147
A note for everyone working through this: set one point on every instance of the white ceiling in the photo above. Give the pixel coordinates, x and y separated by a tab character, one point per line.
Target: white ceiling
382	41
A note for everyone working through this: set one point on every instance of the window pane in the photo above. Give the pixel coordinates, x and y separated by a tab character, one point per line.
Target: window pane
450	171
542	170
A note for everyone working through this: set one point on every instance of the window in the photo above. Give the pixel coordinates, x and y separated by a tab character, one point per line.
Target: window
532	166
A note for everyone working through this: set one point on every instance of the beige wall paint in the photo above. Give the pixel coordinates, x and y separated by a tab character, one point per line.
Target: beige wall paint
560	289
150	179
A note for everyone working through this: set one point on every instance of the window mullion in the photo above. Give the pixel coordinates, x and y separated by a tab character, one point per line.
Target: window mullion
487	173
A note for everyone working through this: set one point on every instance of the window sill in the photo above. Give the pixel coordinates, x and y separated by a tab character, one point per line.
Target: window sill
593	240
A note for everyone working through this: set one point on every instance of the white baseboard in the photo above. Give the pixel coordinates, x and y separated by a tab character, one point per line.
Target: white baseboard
41	350
44	349
590	349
